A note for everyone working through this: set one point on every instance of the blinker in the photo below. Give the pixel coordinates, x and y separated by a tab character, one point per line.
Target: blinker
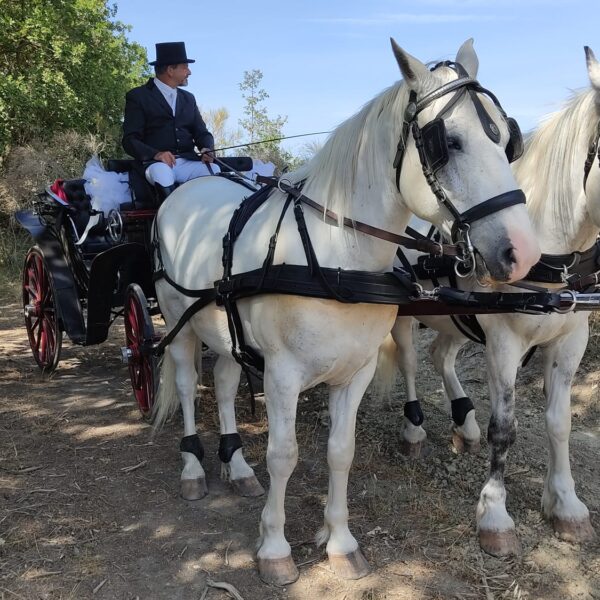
435	144
515	146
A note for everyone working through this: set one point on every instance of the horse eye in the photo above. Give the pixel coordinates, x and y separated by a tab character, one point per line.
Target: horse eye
454	144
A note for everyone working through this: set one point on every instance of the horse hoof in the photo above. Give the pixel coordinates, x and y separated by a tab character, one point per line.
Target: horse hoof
574	531
349	566
193	489
414	449
277	571
464	446
500	543
247	487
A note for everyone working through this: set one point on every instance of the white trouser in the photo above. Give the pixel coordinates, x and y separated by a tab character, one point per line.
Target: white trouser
184	170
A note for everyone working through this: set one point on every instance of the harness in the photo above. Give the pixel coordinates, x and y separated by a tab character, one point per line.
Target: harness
347	286
593	152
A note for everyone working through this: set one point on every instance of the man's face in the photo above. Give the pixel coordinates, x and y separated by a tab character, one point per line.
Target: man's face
179	74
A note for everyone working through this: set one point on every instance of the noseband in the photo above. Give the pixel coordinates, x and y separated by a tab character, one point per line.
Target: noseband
432	147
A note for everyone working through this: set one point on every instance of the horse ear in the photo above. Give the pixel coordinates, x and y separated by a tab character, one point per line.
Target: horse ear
416	75
467	57
593	67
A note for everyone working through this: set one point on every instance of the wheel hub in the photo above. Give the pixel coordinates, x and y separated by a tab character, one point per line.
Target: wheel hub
32	310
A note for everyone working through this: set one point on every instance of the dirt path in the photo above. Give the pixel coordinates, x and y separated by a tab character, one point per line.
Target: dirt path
89	504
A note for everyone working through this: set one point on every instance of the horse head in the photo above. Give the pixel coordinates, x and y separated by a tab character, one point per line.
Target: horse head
456	134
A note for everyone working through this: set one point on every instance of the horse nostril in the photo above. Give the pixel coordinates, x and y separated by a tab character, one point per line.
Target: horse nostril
509	256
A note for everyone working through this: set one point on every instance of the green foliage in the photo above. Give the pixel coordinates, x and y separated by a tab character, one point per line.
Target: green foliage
65	64
259	126
216	123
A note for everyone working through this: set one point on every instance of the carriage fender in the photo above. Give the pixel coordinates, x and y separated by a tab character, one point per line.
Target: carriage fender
66	293
32	223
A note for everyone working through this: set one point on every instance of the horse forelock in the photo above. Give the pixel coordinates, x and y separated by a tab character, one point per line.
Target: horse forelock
551	169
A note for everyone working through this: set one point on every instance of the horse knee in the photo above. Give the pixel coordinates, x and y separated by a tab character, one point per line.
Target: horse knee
340	454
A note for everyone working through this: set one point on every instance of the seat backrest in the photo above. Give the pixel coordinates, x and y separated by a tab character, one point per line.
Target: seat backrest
76	194
238	163
120	165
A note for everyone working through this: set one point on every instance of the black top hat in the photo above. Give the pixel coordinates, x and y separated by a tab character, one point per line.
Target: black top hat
171	53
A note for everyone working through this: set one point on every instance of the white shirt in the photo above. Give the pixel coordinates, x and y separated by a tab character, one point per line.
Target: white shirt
168	92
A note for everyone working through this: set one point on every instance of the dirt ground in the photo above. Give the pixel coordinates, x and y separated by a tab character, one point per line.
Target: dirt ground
89	504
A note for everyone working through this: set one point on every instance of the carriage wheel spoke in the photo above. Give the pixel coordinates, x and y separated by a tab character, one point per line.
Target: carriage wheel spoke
41	316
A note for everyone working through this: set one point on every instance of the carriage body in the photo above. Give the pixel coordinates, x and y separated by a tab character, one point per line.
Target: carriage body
84	270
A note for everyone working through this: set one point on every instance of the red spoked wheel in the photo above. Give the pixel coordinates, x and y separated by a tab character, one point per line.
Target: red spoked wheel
139	340
41	314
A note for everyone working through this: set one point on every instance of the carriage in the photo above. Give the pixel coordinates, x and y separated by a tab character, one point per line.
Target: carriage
86	269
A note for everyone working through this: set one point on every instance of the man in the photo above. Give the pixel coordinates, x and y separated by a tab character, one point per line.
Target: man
163	124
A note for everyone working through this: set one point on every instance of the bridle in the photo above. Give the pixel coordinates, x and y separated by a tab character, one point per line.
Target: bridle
432	146
593	152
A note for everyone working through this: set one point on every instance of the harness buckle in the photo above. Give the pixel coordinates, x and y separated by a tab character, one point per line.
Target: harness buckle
571	308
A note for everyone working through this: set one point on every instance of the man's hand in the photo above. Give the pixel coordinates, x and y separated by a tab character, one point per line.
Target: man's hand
167	157
206	155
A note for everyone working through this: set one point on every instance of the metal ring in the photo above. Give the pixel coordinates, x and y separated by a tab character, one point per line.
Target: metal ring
564	311
280	182
419	289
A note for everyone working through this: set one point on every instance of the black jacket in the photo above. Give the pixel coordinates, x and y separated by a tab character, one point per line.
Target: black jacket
150	127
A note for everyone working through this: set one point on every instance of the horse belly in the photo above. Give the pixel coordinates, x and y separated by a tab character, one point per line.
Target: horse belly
534	330
327	340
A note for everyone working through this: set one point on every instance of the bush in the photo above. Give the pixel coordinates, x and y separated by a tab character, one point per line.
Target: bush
31	168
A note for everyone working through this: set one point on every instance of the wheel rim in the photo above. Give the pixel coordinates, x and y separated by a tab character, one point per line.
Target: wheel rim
140	364
41	320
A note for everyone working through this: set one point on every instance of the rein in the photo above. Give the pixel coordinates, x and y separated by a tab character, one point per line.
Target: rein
593	152
421	244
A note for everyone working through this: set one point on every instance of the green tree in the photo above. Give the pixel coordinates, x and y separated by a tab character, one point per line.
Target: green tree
65	64
216	123
259	126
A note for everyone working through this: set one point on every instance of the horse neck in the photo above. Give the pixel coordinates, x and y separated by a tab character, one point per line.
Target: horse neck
373	200
353	176
551	175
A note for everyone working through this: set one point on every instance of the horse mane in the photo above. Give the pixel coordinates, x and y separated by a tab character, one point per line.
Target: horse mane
330	175
552	165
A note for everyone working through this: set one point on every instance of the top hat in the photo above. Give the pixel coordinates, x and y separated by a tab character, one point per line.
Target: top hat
171	53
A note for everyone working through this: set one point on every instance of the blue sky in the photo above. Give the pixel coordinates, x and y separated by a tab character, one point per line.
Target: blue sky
322	61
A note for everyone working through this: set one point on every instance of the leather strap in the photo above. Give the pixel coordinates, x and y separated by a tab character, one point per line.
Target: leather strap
422	245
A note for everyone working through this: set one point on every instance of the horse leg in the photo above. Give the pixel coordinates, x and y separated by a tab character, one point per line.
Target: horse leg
345	557
560	504
496	528
275	564
465	430
233	466
413	435
193	479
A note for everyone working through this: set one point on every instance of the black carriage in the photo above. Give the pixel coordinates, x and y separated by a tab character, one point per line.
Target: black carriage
86	269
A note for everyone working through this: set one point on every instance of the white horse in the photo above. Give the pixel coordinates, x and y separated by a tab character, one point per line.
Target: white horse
566	216
307	341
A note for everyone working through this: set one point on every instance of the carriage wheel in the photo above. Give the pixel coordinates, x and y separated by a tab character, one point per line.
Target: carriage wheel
41	315
139	338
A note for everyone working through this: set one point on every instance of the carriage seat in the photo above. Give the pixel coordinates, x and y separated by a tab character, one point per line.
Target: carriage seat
143	195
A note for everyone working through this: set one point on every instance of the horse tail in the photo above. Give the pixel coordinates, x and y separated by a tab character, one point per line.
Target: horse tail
387	369
166	396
